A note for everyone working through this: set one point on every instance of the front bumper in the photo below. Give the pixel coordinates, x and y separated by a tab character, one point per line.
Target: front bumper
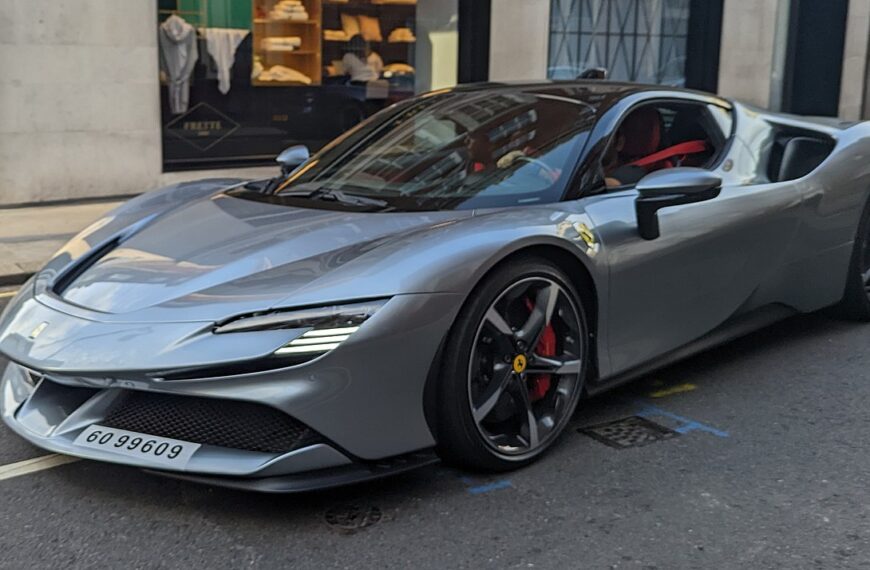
363	402
51	416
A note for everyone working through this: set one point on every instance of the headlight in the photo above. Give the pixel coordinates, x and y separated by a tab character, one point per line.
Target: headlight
328	326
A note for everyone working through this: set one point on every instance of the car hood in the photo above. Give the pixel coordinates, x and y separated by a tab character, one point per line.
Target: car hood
221	255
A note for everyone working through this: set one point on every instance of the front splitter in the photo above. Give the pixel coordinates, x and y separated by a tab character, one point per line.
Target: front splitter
314	480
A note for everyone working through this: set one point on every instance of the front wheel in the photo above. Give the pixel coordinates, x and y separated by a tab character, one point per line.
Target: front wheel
514	367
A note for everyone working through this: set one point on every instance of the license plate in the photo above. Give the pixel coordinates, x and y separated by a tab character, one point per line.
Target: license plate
151	448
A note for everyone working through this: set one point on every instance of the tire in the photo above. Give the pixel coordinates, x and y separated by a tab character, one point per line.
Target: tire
503	399
855	304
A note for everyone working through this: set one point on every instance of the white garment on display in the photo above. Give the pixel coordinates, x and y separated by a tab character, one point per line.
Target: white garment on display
222	44
178	54
360	70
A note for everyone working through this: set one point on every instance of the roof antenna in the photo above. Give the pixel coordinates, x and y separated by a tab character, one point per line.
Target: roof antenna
594	73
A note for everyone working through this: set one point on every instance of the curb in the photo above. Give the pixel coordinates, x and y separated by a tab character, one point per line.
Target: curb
69	202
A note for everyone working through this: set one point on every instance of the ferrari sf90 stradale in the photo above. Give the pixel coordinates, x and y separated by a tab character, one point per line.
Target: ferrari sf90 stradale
447	279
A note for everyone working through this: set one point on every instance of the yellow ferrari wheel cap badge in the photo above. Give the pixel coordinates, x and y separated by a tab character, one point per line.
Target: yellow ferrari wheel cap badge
520	363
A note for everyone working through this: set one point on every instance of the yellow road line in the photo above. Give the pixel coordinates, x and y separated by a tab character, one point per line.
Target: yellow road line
671	390
32	465
7	294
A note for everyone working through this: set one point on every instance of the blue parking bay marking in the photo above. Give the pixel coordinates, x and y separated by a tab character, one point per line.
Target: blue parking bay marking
686	424
485	488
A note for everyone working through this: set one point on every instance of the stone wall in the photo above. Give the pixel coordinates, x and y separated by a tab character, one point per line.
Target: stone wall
747	50
519	39
79	100
853	87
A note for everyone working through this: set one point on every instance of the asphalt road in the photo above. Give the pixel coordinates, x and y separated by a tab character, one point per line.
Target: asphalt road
771	471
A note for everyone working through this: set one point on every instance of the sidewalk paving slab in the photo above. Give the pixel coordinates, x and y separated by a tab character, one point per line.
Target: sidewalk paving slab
30	236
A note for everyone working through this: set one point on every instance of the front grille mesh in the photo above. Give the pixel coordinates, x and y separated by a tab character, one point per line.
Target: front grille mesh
224	423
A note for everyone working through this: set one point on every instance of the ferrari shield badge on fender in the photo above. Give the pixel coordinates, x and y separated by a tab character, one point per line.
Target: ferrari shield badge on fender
38	330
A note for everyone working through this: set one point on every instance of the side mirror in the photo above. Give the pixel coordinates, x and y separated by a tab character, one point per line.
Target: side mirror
291	157
671	187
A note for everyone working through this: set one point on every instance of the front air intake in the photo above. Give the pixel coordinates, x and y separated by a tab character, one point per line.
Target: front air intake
210	421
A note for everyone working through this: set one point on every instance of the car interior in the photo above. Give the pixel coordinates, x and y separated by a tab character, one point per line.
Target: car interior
665	135
662	135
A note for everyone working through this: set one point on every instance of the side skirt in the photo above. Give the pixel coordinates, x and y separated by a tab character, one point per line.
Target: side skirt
727	331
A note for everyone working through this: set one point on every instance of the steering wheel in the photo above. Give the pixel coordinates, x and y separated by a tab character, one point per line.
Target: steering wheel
551	172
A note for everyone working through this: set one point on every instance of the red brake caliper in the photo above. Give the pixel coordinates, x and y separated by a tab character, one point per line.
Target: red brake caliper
540	383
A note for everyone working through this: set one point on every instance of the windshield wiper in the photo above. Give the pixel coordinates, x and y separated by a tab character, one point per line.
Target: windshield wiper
350	198
341	196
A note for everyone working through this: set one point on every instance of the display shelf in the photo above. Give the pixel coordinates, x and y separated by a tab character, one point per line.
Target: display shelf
306	59
266	51
258	83
364	3
286	22
315	49
373	44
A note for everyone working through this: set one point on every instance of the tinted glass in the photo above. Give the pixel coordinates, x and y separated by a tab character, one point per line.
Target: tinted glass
454	151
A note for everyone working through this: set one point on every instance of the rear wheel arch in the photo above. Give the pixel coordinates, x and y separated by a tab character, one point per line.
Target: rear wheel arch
855	304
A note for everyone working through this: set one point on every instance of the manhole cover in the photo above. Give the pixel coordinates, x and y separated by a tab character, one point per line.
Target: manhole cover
351	518
628	432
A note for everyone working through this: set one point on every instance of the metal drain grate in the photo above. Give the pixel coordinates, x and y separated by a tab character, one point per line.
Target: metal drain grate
628	432
352	518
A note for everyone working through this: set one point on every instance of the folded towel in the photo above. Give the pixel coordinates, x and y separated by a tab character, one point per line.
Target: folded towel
335	35
400	68
289	10
288	16
401	35
284	74
283	41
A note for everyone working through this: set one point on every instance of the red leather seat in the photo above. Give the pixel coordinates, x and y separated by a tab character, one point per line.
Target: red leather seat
642	134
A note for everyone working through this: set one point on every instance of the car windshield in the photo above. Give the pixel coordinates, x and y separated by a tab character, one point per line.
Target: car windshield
449	150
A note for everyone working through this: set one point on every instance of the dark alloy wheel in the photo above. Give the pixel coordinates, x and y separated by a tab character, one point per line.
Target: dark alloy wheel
856	300
517	358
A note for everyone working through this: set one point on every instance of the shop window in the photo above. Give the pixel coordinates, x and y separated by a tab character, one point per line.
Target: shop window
635	40
243	79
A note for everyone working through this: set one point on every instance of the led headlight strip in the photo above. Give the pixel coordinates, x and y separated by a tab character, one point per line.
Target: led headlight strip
329	325
317	340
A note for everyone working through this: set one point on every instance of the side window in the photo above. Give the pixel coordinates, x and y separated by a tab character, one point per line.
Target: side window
663	135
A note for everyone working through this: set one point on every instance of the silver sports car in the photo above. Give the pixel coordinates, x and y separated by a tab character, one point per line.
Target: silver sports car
447	279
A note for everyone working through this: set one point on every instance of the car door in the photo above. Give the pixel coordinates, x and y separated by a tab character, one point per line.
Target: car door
714	260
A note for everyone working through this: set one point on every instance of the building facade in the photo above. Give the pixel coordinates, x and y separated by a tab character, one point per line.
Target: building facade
107	98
